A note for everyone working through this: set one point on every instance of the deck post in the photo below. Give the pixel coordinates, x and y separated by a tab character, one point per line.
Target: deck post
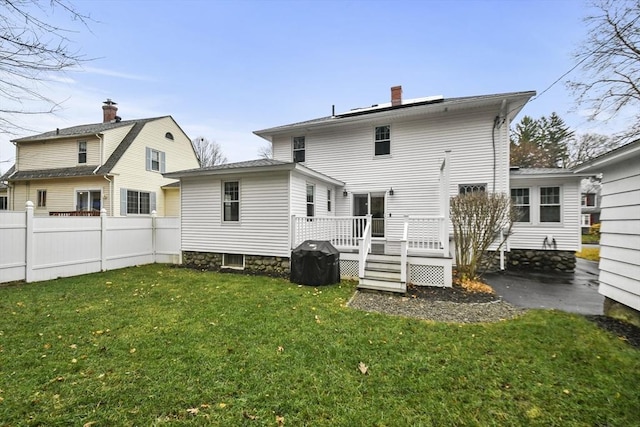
293	231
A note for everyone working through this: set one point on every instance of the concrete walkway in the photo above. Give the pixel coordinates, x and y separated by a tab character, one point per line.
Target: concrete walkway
575	293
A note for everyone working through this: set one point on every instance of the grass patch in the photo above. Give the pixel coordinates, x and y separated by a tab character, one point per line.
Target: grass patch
591	254
157	345
590	239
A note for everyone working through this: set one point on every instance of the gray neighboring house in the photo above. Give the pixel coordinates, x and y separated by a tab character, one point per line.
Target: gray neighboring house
620	230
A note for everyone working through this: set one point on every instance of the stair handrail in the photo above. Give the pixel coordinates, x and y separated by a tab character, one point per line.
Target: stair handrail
364	247
404	247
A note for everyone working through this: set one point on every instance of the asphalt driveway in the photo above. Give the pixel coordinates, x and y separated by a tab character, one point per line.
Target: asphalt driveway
575	293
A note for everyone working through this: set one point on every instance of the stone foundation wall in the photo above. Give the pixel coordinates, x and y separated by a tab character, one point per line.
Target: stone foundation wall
532	259
253	264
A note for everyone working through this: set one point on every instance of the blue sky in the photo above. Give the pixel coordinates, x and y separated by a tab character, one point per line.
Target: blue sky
223	69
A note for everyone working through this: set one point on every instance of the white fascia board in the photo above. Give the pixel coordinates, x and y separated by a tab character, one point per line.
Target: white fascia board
229	171
615	156
317	175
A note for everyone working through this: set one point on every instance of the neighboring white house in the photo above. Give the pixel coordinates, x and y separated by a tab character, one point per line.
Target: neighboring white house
383	174
619	229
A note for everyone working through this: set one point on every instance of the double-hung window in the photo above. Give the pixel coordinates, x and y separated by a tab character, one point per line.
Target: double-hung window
550	204
299	149
231	201
522	204
155	160
586	220
4	203
82	151
136	202
311	208
383	140
328	200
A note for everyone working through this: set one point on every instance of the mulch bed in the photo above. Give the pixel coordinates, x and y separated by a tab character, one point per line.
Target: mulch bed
623	330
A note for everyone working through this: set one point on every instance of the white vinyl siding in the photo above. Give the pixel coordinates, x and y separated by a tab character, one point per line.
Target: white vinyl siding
566	232
264	226
620	233
413	170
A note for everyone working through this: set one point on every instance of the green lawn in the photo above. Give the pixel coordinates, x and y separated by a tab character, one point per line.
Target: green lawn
157	345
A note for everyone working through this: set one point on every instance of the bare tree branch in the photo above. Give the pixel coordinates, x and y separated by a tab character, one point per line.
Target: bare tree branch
266	151
209	152
610	61
32	50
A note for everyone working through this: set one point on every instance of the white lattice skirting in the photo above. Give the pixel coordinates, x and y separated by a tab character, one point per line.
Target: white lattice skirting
348	269
426	275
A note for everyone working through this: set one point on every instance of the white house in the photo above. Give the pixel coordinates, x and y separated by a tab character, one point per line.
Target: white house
376	182
619	229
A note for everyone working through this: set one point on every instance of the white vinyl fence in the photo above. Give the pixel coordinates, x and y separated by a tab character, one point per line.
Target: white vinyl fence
34	248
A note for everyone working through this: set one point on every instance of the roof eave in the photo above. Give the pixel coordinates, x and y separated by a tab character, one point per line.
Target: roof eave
229	171
520	98
615	156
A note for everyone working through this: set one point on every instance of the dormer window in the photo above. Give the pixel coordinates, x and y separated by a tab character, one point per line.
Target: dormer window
82	151
298	149
383	140
168	135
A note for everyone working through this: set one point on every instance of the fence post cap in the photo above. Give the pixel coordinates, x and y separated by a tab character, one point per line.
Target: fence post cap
103	211
29	204
154	213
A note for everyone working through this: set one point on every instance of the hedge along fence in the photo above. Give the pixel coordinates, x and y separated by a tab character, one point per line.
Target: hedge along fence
34	248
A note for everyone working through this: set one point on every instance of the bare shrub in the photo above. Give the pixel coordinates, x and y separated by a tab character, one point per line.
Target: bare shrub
478	219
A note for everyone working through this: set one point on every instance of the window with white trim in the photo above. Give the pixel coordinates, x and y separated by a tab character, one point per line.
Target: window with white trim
521	203
82	151
328	200
311	208
299	149
155	160
586	220
550	210
233	260
42	198
588	199
4	203
231	201
472	188
382	144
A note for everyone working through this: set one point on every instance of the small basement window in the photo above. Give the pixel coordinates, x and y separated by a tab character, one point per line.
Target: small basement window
233	260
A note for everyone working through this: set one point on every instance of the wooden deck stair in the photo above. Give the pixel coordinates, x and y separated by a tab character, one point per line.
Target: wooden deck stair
382	273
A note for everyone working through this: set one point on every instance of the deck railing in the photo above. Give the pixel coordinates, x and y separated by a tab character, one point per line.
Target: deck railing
427	234
423	234
343	232
365	248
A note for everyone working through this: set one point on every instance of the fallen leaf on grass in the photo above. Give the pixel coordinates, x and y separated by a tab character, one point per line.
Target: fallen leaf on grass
193	411
133	350
222	405
89	424
279	420
565	391
280	349
364	369
317	319
249	416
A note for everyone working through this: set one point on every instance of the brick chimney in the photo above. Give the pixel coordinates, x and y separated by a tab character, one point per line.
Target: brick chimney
109	111
396	96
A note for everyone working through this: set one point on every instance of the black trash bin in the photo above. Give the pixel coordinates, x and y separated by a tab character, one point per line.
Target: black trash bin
315	263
